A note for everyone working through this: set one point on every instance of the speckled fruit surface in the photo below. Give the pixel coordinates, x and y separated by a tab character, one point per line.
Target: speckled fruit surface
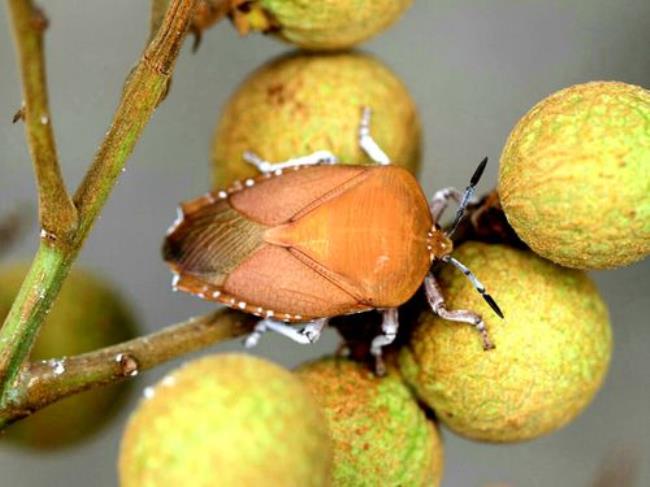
302	103
380	435
229	420
87	315
552	349
331	24
574	179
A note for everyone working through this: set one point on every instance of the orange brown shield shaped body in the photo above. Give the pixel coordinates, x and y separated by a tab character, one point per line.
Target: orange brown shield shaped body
305	241
315	242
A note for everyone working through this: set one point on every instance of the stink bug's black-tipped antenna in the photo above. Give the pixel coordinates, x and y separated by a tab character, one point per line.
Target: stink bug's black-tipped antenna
475	282
467	195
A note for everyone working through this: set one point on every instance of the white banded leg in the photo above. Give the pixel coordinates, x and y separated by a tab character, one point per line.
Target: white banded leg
389	326
318	157
366	141
440	201
437	303
309	333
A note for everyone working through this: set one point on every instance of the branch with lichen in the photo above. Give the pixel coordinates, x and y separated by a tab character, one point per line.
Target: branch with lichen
44	382
145	87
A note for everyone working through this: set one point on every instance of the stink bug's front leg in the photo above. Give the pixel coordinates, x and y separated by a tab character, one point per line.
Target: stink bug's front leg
366	141
310	333
389	326
318	157
440	201
437	302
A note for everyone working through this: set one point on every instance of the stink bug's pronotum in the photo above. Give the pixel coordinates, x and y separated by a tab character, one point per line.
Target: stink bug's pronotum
308	240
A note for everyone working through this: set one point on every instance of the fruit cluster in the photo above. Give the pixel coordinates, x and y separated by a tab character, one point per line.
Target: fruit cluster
574	184
582	152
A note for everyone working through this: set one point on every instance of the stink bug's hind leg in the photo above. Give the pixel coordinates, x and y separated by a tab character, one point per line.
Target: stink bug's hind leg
389	326
310	333
366	141
318	157
437	302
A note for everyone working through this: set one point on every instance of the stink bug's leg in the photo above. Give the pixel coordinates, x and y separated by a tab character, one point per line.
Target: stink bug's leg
440	201
389	326
313	329
309	334
318	157
366	141
253	339
437	302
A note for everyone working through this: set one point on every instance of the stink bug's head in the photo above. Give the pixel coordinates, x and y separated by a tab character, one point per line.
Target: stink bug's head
439	244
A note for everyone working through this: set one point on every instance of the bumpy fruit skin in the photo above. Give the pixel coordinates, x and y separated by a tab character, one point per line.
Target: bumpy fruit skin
551	356
229	420
302	103
86	316
574	179
380	435
331	24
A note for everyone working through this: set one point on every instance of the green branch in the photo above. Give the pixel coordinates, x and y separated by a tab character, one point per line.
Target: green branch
57	213
145	87
42	383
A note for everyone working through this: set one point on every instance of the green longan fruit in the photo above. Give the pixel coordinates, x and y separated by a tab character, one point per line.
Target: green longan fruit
552	349
319	24
302	103
231	420
87	315
380	435
574	179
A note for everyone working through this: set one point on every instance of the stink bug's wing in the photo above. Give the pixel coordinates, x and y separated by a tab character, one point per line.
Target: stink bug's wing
210	240
273	282
276	199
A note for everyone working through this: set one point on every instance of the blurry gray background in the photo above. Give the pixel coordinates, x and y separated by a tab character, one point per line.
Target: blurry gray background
473	67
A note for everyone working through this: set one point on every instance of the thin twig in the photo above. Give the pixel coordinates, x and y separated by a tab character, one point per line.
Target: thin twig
57	213
45	382
145	87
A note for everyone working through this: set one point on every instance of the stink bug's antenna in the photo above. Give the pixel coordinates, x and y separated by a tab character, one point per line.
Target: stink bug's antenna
467	196
475	282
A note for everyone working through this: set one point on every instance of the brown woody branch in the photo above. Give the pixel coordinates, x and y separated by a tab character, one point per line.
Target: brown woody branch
42	383
57	213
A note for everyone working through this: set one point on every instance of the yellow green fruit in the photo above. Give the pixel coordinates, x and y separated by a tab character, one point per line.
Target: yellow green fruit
551	356
87	315
574	179
380	435
230	420
320	24
302	103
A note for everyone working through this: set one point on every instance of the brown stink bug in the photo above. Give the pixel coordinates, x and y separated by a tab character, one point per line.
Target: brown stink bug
308	240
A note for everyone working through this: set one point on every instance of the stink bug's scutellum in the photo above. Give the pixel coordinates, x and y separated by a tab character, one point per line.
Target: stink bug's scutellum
309	239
